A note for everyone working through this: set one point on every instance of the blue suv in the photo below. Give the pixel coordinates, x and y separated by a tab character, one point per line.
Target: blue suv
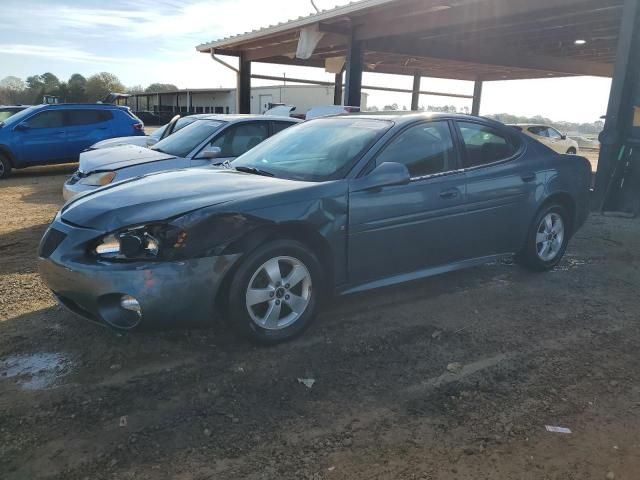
48	134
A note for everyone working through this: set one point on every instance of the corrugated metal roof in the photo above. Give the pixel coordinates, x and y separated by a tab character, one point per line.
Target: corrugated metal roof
322	16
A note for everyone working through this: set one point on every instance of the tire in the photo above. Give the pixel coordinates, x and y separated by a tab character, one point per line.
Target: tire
275	312
546	245
5	167
571	151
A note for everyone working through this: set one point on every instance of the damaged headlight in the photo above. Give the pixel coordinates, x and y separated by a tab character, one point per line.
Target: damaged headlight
145	242
98	179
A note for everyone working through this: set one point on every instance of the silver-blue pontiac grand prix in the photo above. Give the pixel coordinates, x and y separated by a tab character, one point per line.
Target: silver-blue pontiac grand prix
330	206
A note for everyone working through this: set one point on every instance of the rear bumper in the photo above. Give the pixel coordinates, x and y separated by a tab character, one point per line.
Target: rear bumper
170	294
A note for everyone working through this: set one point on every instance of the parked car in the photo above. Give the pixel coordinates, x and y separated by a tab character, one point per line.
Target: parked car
147	140
209	139
551	137
57	133
586	143
7	111
338	204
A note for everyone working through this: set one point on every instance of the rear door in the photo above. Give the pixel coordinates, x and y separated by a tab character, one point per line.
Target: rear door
86	127
402	229
500	189
44	141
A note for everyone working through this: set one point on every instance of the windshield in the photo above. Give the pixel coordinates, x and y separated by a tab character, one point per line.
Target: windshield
183	142
317	150
18	117
7	112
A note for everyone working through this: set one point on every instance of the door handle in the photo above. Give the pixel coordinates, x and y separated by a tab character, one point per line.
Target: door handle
451	193
528	177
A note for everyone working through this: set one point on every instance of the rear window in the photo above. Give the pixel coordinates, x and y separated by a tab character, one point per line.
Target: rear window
184	141
87	117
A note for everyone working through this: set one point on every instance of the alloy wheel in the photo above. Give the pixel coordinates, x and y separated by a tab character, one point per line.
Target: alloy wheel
278	293
549	237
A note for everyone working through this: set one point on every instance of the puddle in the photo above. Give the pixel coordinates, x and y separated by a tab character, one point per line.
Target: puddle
38	371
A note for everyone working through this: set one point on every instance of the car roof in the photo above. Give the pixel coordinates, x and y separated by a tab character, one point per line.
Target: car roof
242	117
409	117
105	106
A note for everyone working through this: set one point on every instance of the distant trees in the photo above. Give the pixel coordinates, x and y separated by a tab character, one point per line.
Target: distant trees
161	88
101	84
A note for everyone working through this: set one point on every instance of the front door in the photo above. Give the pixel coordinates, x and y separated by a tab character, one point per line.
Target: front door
500	187
402	229
236	140
44	140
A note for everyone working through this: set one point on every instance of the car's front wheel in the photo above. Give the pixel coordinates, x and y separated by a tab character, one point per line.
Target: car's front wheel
5	167
274	292
547	240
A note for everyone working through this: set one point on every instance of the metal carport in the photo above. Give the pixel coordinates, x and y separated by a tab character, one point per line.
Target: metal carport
477	40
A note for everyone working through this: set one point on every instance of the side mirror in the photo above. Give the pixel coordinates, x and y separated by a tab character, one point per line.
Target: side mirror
210	153
563	136
23	126
388	174
151	141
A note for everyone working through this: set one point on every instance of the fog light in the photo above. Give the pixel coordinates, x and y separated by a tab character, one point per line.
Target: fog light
129	303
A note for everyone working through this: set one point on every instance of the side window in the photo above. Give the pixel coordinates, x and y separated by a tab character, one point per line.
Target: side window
425	149
540	131
484	145
553	133
88	117
279	126
241	138
48	119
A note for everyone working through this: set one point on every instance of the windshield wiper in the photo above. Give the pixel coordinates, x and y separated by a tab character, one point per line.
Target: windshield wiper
255	171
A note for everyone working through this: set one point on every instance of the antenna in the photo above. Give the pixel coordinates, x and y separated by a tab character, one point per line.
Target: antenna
314	6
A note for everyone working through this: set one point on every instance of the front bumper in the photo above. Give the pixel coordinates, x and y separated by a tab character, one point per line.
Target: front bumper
178	293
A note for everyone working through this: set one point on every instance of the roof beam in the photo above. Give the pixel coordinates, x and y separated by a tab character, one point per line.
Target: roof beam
469	13
498	56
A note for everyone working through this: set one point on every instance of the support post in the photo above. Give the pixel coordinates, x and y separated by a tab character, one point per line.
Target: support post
617	124
337	90
137	103
177	103
158	103
189	102
243	92
477	97
148	103
415	92
353	81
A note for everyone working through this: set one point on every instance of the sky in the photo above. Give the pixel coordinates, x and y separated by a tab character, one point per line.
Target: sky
148	41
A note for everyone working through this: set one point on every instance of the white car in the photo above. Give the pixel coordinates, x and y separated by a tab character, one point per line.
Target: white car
551	137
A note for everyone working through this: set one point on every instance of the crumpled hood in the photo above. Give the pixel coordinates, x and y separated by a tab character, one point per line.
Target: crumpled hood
118	157
161	196
138	140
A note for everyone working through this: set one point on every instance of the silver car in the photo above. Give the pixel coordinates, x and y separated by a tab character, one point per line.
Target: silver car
210	139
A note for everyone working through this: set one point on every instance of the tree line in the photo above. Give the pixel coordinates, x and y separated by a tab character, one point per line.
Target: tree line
566	127
77	89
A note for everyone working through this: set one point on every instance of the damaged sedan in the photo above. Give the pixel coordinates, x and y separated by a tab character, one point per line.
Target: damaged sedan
331	206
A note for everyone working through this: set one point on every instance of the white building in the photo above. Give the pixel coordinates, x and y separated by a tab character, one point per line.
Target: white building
223	100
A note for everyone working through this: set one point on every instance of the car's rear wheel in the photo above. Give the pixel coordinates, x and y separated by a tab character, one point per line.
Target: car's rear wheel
571	151
5	167
274	292
547	239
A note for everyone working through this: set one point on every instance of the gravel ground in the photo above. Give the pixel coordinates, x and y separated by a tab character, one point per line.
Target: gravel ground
453	377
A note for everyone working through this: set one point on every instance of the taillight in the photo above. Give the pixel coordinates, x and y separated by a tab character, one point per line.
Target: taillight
138	127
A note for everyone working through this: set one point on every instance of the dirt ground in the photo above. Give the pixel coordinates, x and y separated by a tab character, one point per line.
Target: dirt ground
79	401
